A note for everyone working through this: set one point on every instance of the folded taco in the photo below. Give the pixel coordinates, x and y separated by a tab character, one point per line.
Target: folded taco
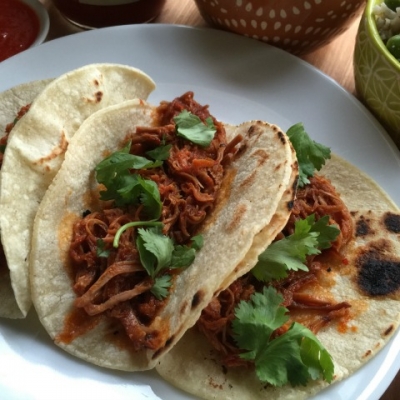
35	150
153	210
14	103
321	301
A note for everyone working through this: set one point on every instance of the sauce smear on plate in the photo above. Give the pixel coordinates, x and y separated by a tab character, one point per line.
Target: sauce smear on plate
19	27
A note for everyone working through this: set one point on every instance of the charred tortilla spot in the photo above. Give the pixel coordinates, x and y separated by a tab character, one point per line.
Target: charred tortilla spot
157	353
256	129
183	307
197	298
363	227
261	155
295	183
367	353
237	217
99	96
378	272
169	341
281	136
392	222
389	330
249	180
290	205
60	149
252	130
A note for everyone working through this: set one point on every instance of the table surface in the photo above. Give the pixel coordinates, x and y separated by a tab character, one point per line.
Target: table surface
334	59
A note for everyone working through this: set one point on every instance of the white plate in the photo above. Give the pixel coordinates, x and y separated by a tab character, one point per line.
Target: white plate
240	79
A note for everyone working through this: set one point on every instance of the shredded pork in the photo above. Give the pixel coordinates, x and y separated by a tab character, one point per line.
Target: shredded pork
188	182
320	198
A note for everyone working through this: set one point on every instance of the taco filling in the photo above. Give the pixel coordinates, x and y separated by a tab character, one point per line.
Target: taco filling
322	299
158	192
299	291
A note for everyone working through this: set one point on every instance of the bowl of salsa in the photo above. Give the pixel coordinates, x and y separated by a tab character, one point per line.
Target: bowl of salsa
23	24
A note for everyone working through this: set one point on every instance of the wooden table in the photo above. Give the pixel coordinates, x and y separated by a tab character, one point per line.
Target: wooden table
335	60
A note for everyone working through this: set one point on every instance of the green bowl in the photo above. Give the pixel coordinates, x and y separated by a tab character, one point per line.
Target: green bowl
377	74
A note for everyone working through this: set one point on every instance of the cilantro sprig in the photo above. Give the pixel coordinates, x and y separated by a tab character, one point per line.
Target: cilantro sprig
311	155
192	128
290	253
127	188
294	357
158	253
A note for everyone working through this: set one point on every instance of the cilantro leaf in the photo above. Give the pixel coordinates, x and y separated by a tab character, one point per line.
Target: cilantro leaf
150	198
315	355
157	253
160	153
161	286
294	357
326	233
119	163
124	187
182	256
192	128
291	252
101	250
155	250
197	242
256	320
310	154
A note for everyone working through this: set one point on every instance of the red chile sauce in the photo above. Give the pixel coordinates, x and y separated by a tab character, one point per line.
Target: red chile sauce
97	16
19	27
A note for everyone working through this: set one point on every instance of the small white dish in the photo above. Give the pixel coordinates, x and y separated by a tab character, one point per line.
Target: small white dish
44	20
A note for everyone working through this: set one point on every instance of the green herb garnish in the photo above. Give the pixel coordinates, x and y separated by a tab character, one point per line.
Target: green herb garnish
192	128
124	187
294	357
311	155
160	153
161	286
101	250
290	252
158	253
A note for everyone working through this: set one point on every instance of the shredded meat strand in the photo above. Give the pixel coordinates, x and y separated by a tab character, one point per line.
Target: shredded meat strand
321	198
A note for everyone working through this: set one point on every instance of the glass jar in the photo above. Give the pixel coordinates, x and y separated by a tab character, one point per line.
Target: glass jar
100	13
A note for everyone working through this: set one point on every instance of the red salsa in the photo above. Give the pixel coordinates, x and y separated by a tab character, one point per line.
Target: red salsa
19	27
